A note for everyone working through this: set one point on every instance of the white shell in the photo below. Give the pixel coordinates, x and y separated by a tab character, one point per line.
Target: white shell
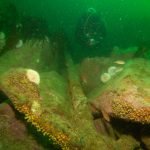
119	62
119	69
112	70
105	77
33	76
19	44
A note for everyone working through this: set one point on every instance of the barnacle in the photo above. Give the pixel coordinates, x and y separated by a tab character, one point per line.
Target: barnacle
105	77
33	76
126	110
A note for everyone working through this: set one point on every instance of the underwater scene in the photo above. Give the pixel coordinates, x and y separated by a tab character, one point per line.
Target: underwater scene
74	75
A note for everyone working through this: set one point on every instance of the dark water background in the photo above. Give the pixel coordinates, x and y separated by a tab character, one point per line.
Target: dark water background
127	21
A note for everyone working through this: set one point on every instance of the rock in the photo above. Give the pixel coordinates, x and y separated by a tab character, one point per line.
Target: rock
91	70
14	132
127	95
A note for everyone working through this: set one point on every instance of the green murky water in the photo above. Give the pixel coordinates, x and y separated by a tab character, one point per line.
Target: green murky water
127	21
102	37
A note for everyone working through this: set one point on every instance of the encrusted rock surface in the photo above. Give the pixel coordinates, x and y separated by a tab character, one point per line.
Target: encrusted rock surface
126	95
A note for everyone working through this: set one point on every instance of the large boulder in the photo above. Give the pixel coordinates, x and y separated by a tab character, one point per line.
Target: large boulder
127	94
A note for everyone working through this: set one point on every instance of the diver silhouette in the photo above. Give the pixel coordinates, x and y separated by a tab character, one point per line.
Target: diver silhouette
90	29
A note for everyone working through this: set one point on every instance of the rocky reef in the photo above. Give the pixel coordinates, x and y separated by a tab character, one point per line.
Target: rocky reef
58	108
49	102
78	110
68	123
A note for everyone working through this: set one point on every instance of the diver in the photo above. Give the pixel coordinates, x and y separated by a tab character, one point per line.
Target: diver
90	30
